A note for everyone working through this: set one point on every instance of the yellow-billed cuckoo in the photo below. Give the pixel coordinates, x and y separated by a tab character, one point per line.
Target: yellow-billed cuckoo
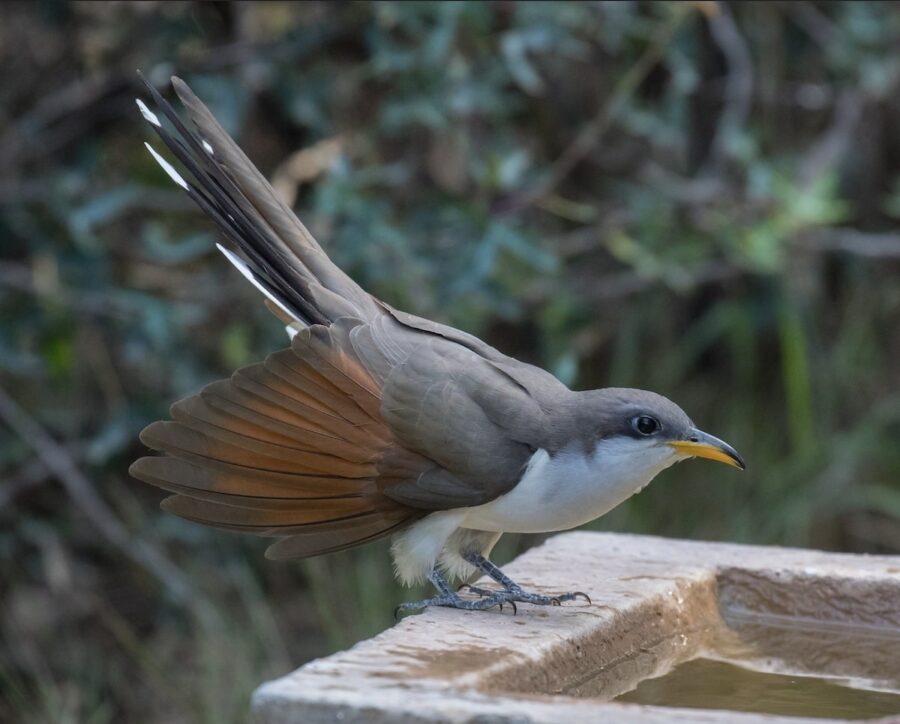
375	422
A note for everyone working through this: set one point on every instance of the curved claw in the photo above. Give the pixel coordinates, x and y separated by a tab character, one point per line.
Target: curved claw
497	603
515	610
409	607
480	592
576	594
555	601
468	586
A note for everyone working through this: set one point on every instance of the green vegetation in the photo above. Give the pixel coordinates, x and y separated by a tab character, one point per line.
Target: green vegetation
697	201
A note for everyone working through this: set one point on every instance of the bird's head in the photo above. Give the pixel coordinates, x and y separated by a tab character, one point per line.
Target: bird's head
652	431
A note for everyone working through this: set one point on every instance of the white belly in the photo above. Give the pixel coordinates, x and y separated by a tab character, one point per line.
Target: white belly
571	488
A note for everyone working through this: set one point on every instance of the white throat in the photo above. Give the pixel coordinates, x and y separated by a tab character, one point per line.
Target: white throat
571	487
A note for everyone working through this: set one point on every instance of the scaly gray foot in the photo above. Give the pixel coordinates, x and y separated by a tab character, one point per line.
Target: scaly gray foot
454	600
512	592
516	594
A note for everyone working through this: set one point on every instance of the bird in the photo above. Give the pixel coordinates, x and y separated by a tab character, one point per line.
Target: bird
374	422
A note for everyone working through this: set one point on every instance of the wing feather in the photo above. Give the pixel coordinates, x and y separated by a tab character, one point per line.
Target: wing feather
370	419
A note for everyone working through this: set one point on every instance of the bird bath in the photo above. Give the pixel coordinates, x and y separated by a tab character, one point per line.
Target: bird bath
770	665
678	631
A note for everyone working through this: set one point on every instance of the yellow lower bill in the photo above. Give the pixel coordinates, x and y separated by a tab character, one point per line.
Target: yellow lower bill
704	450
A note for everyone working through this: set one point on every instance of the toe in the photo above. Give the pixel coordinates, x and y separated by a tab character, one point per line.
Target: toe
573	596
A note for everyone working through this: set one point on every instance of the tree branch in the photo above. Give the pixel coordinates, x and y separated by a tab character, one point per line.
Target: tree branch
593	130
82	493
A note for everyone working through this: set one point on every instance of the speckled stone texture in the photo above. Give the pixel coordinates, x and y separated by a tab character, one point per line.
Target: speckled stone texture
654	600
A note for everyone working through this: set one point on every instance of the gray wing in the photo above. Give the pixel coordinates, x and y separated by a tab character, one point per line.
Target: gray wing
468	411
458	407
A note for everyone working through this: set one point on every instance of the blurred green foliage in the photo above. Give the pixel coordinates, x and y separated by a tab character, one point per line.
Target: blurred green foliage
696	199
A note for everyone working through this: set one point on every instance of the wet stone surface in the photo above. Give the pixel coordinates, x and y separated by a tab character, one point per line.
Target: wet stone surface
661	610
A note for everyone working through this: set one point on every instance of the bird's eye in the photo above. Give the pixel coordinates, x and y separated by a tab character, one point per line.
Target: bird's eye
645	425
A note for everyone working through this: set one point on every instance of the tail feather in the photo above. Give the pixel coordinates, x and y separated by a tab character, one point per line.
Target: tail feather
256	187
267	259
278	254
245	271
343	290
296	446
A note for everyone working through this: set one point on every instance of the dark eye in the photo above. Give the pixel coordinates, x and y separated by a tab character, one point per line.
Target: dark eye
645	425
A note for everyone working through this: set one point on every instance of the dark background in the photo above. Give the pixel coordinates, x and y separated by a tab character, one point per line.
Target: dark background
696	199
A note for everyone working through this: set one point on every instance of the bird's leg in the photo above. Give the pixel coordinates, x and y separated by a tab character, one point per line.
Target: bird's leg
439	582
513	591
451	599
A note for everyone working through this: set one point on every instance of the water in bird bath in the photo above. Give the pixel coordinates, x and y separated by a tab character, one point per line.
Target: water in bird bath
770	665
712	684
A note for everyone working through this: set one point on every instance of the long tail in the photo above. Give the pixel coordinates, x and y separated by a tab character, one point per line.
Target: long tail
276	252
296	446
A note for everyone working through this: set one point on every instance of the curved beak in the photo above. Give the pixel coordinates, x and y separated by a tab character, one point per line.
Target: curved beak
702	445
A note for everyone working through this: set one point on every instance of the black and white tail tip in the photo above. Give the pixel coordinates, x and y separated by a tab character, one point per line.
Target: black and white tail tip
218	195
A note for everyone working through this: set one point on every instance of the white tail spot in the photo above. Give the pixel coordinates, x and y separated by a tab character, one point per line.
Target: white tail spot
245	270
167	167
147	113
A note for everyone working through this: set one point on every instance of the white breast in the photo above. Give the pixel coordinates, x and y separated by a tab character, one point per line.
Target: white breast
571	487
